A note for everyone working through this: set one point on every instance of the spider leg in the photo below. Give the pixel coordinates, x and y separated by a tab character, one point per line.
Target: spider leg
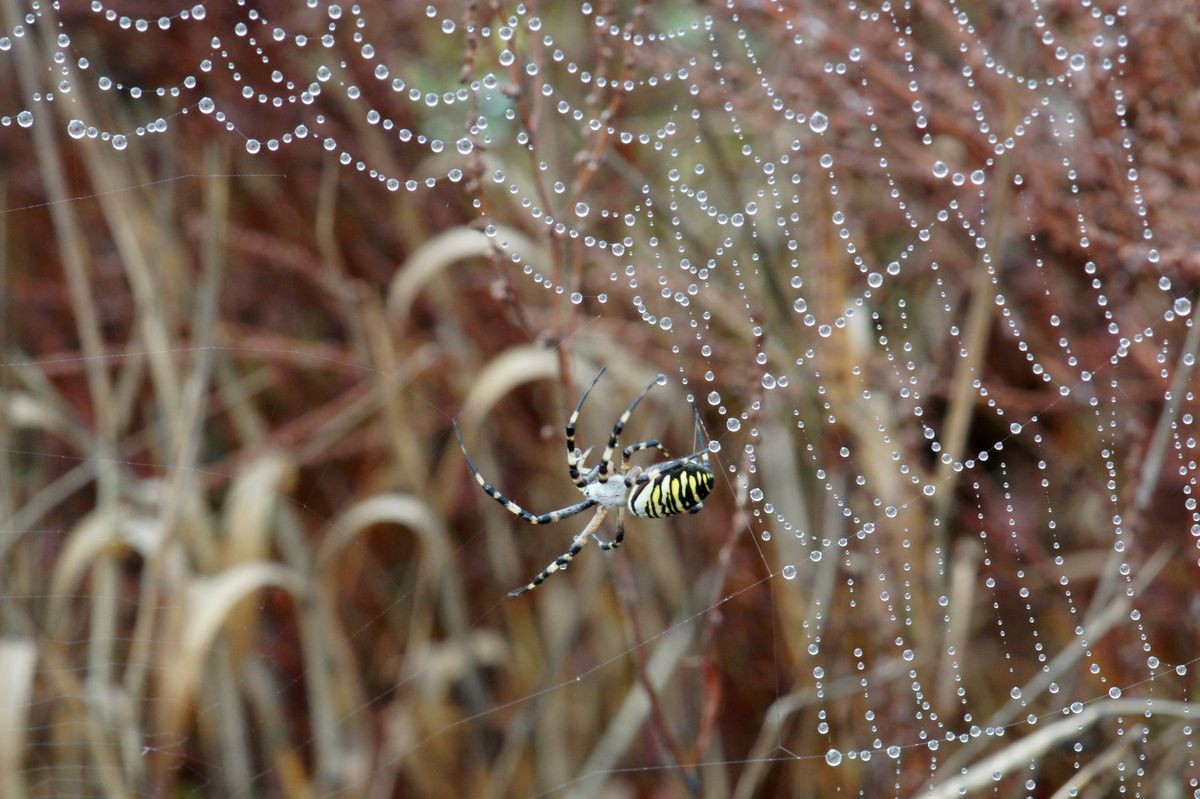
658	468
574	457
565	558
703	451
647	444
606	463
512	507
616	542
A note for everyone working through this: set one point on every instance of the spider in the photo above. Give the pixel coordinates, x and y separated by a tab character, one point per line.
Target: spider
664	489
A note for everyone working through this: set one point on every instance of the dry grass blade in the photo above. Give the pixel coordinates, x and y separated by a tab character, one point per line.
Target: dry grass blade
984	773
632	714
441	252
99	533
210	602
18	657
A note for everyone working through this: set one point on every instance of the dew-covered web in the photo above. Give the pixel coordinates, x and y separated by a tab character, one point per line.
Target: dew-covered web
925	268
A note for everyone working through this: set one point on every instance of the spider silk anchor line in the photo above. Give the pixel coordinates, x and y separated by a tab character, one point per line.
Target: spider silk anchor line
664	489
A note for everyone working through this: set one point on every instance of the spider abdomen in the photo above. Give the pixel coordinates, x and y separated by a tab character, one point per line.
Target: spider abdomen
678	489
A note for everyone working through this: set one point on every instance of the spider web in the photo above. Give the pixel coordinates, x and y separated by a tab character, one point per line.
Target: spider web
924	267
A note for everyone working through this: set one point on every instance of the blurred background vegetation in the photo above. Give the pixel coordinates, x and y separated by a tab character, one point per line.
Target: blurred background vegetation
241	554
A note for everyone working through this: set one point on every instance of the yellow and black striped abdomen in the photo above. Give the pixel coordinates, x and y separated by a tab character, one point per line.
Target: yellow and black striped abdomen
681	488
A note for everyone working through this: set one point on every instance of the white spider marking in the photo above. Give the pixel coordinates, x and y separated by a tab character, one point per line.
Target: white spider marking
610	494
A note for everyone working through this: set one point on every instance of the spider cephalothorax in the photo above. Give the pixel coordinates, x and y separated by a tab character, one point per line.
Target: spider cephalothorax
663	489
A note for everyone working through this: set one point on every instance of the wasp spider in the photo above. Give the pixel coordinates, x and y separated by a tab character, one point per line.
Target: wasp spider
663	489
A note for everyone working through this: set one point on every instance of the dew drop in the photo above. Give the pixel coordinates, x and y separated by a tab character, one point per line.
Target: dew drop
768	381
76	129
789	572
582	209
815	556
940	170
253	146
833	757
1183	306
25	119
818	122
733	424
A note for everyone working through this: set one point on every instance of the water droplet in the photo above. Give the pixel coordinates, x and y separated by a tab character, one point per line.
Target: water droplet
665	323
893	752
76	129
1077	62
207	105
789	572
815	556
25	119
464	146
733	424
818	122
1114	693
714	446
253	146
977	177
756	494
833	757
582	209
768	381
940	170
119	142
576	298
1183	306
